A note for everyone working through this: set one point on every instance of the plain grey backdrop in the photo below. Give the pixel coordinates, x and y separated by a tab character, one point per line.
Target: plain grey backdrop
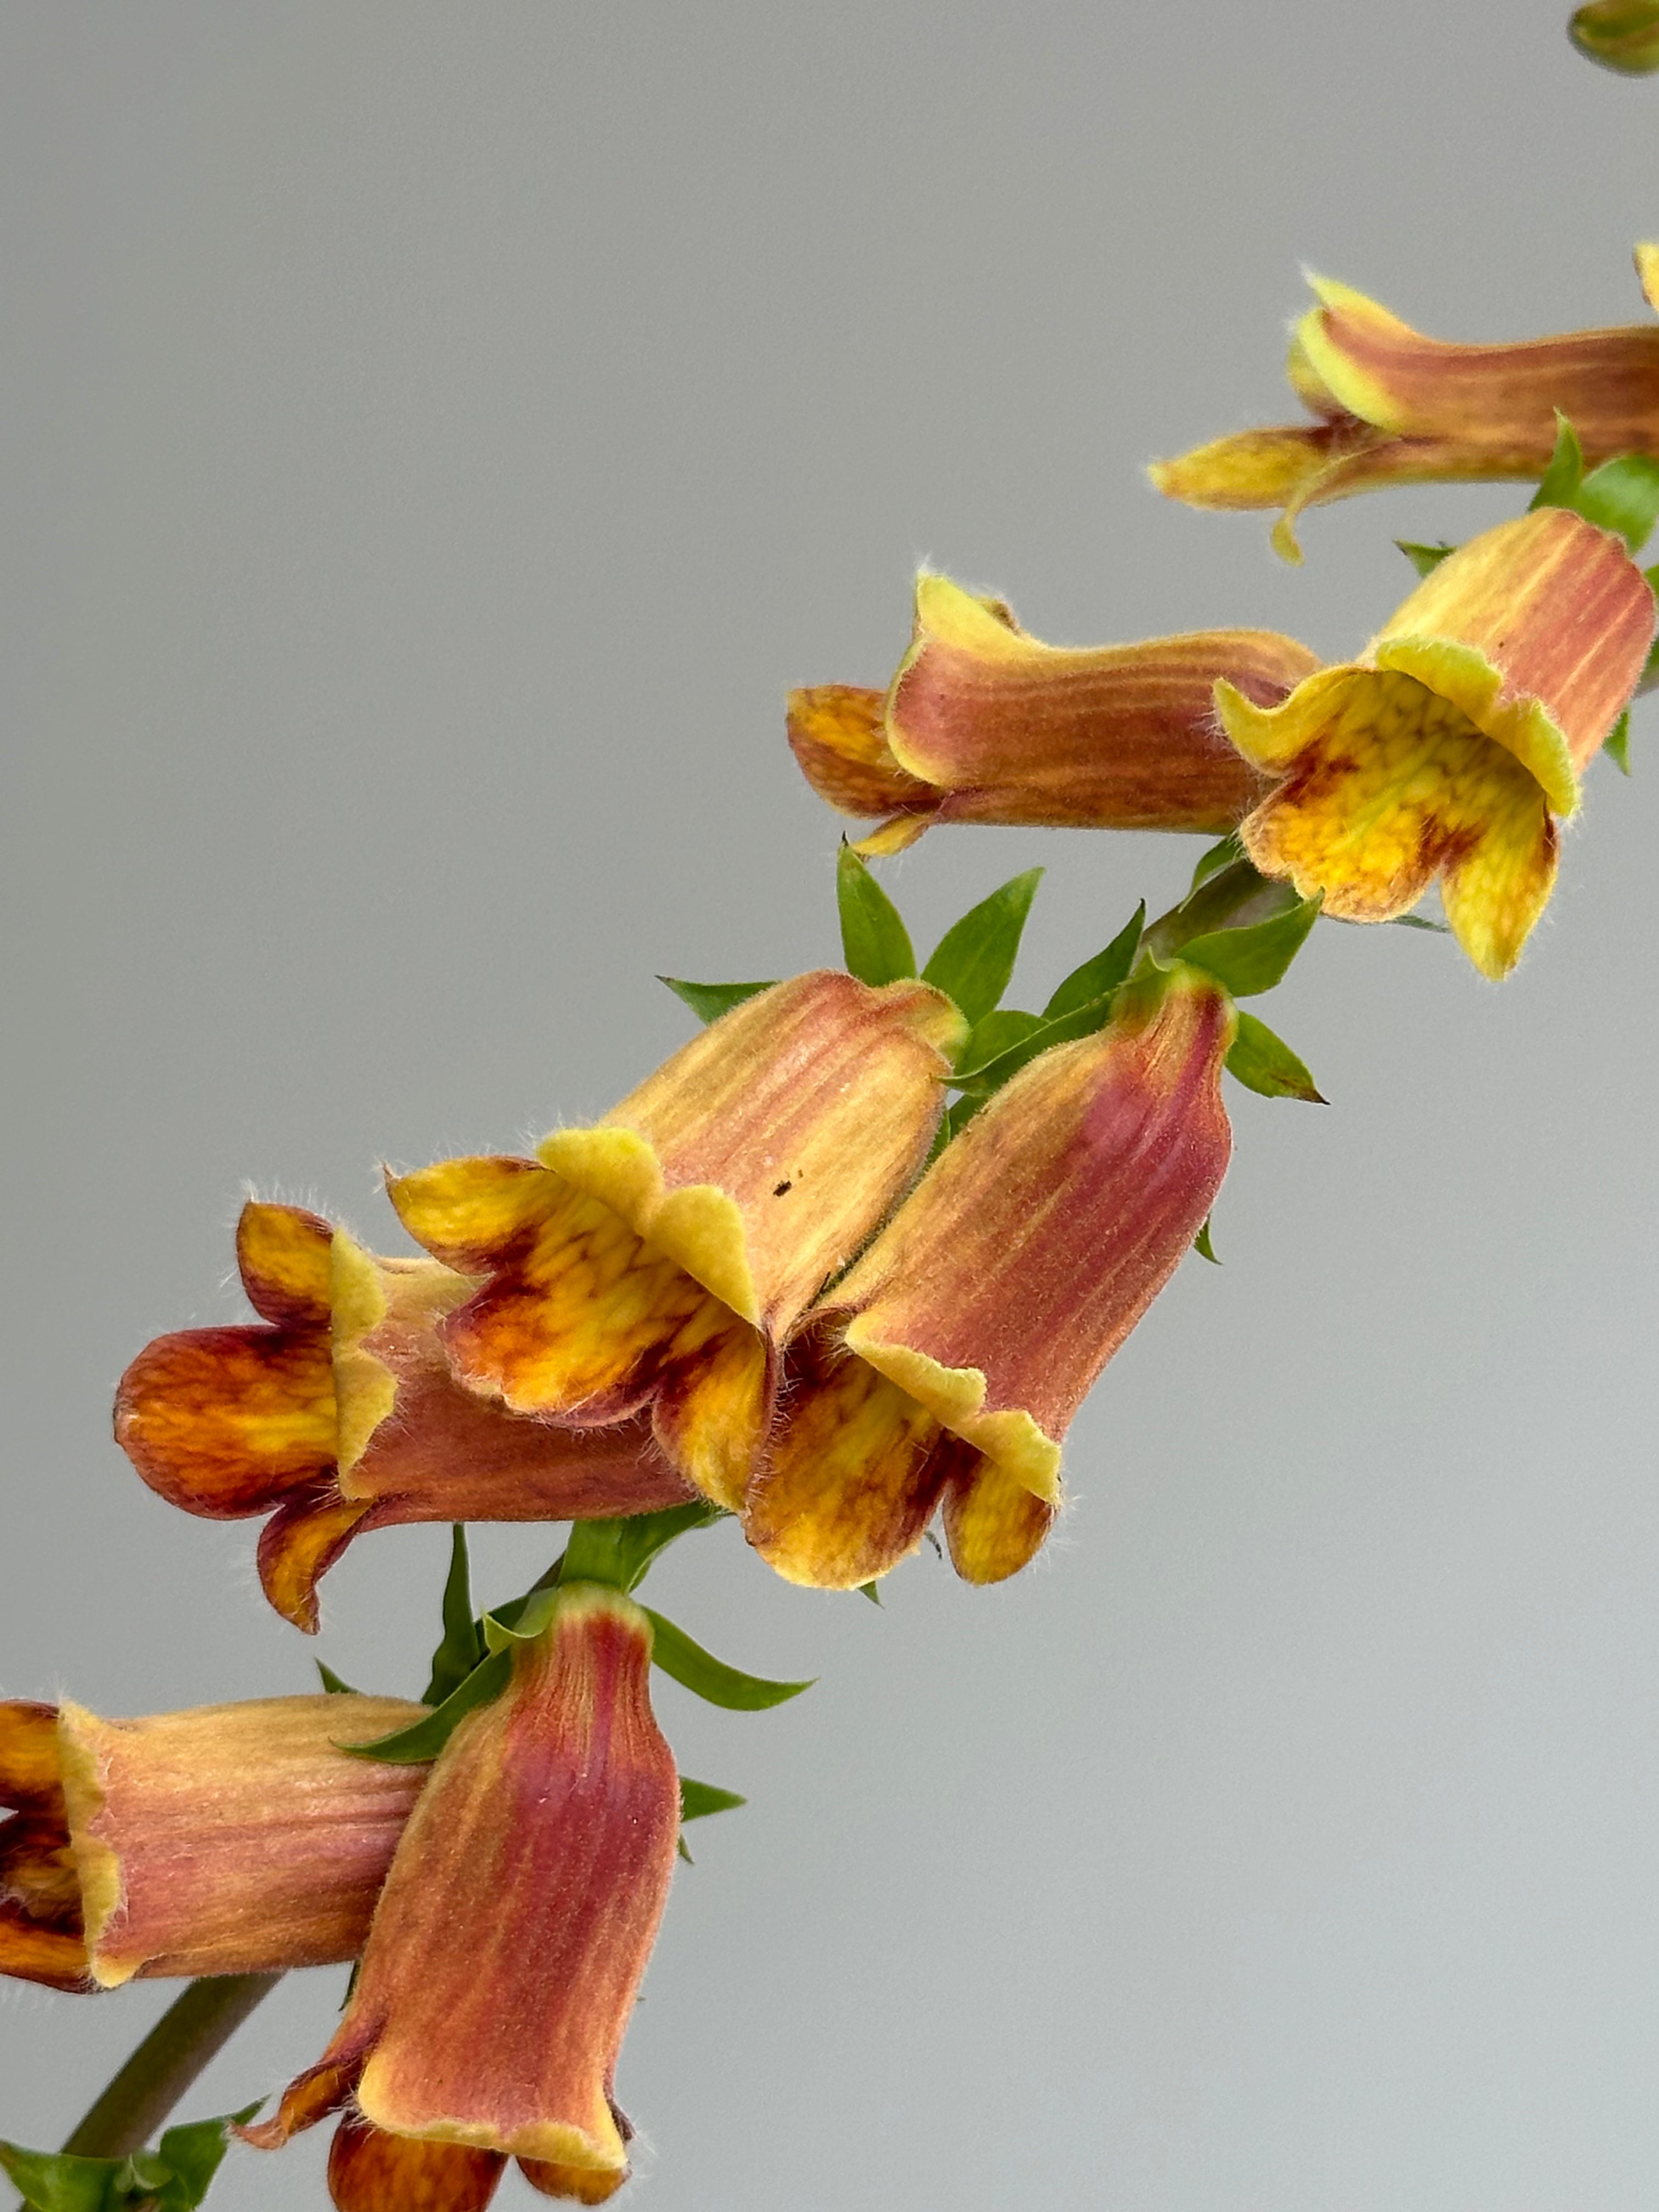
437	437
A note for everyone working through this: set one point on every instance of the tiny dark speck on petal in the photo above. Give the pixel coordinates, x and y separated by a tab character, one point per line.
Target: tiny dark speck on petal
780	1188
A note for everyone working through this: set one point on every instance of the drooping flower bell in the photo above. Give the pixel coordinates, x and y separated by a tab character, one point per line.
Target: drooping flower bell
1394	407
943	1372
1453	742
511	1937
339	1413
983	723
227	1839
656	1260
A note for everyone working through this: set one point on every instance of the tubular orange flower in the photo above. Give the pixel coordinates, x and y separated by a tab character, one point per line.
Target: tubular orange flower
1395	407
983	723
947	1367
1448	747
340	1412
225	1840
512	1932
656	1259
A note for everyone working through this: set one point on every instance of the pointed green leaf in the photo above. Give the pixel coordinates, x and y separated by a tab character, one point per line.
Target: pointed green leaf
461	1647
699	1671
1202	1245
55	2181
190	2156
1616	745
699	1799
1214	858
1623	496
1097	978
1264	1063
1426	559
872	1590
992	1074
708	1001
998	1033
1414	921
620	1552
972	963
333	1685
682	1849
875	943
1254	958
1565	473
424	1738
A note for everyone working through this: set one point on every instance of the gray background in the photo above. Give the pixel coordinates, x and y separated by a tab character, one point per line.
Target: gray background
437	436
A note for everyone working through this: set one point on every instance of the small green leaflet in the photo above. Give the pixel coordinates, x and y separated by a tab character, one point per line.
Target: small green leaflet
699	1671
1561	480
620	1552
708	1001
1095	978
462	1647
699	1799
1415	921
424	1738
333	1685
1616	746
872	1590
1264	1062
174	2177
875	943
1254	958
1213	858
1426	559
991	1075
974	960
1202	1245
997	1033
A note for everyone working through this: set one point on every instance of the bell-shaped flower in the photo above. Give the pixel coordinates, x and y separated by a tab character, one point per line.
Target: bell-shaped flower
229	1839
983	723
339	1413
1453	742
943	1370
1392	407
656	1260
512	1935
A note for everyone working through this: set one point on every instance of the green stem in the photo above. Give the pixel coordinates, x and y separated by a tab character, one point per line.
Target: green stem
194	2029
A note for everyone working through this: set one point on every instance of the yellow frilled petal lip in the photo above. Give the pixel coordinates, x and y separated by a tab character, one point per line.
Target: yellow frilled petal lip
985	723
1398	407
1445	750
947	1365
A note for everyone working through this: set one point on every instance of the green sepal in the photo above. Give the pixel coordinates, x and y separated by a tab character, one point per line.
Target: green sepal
1561	479
974	960
1426	559
699	1799
173	2178
875	943
997	1033
872	1590
1097	977
1253	959
1214	858
708	1001
333	1685
1203	1247
462	1646
1616	745
621	1552
1264	1063
700	1672
990	1076
1413	921
1622	496
424	1738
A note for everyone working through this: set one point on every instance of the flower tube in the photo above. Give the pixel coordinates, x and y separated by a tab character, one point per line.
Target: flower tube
655	1261
983	723
1394	407
229	1839
1451	745
339	1413
943	1370
512	1932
